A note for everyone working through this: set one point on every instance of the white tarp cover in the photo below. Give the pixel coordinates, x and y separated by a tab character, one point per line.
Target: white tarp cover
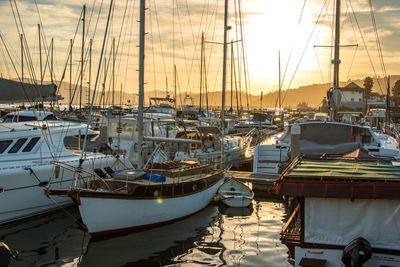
338	221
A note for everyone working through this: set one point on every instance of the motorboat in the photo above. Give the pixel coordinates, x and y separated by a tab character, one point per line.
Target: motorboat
31	153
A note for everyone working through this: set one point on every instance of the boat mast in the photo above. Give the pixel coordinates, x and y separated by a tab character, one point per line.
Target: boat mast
224	81
70	75
52	59
22	57
90	69
40	56
113	71
336	62
141	81
83	48
175	81
201	66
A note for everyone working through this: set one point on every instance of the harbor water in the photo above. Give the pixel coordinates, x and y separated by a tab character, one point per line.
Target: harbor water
215	236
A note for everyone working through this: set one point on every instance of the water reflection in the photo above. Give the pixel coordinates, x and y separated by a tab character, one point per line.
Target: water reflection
217	236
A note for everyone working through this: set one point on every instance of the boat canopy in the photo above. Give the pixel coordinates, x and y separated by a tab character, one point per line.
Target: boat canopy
15	91
340	178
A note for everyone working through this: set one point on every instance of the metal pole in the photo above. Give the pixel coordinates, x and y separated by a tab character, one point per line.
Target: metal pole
22	57
113	72
336	60
224	82
90	69
141	81
70	75
40	56
52	59
82	51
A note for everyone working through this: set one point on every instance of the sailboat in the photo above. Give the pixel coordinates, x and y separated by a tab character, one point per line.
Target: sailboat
162	193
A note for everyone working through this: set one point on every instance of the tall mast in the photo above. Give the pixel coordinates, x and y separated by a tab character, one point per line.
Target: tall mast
336	62
280	86
90	69
40	56
141	81
113	71
224	81
201	65
175	84
52	59
22	57
82	51
70	75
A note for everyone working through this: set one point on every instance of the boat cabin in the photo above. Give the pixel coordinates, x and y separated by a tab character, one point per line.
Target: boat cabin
354	197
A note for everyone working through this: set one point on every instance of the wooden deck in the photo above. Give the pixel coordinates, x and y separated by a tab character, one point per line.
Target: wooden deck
253	177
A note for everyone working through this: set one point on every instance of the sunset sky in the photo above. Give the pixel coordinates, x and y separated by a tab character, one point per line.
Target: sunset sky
293	27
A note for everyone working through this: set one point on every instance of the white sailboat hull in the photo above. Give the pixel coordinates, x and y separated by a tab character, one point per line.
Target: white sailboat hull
110	214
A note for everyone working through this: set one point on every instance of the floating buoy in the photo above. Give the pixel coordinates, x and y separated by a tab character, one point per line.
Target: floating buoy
5	255
216	198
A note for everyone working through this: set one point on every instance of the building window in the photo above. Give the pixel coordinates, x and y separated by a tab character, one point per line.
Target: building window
352	99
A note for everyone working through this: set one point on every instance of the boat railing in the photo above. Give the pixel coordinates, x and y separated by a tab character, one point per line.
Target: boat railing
290	234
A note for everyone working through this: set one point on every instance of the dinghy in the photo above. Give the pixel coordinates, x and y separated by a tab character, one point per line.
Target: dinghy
235	194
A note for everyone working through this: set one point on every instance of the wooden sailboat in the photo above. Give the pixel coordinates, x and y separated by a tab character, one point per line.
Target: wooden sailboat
165	192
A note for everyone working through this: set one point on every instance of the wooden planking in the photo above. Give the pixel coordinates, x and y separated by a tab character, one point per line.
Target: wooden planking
259	178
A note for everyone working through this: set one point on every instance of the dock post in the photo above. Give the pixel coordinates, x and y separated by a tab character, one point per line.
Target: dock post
295	140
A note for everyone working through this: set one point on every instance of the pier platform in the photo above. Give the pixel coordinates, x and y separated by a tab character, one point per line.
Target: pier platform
255	178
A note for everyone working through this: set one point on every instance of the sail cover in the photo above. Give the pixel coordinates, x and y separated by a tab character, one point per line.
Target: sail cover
15	91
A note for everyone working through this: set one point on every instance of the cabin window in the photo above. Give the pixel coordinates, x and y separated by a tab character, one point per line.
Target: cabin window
4	145
27	118
31	144
50	117
17	145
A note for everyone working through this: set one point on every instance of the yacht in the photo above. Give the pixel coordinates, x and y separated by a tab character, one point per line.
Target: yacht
323	137
32	154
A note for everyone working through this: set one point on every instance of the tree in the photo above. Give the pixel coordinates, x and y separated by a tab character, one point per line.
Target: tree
396	89
368	83
303	106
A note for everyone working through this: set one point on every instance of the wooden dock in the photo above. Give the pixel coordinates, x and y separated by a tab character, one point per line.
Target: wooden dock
255	178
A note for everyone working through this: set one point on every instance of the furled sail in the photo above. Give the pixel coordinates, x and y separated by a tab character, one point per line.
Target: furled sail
15	91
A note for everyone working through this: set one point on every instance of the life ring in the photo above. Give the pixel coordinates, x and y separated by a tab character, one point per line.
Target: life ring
369	113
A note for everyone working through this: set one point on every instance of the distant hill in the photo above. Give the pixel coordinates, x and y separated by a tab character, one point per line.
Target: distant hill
311	94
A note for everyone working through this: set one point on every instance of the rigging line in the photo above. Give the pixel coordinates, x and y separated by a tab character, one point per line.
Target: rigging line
159	36
5	61
238	51
294	38
129	42
319	66
365	44
195	39
152	51
355	51
119	39
188	72
68	54
27	54
378	44
244	54
304	50
97	78
213	45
